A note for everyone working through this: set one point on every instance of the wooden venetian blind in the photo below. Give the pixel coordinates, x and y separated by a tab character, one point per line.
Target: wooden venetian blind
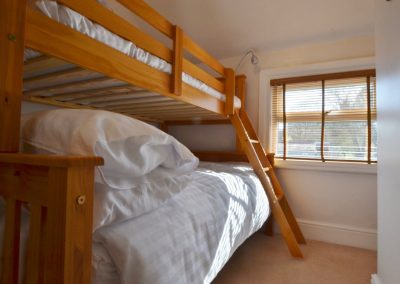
330	117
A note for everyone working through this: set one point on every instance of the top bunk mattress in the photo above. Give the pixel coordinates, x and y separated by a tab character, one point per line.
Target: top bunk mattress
78	22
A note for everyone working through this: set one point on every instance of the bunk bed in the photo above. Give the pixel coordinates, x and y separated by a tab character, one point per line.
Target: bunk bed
50	53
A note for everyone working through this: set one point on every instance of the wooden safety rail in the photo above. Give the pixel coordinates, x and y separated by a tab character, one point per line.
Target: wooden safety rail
59	194
78	57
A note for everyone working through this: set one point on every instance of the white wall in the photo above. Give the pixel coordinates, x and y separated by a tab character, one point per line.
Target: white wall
388	102
338	207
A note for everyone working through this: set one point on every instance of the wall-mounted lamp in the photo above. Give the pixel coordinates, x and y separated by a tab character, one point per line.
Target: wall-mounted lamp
253	59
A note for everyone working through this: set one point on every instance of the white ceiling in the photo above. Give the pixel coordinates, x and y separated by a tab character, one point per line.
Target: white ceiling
228	28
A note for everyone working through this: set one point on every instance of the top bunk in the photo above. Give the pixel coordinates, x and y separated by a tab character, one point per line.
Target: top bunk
80	54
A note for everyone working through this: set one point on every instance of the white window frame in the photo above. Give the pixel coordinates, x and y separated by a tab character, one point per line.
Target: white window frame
265	110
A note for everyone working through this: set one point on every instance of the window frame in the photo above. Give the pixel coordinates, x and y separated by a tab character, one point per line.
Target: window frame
265	111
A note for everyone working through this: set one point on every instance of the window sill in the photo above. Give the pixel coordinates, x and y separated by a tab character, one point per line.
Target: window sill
341	167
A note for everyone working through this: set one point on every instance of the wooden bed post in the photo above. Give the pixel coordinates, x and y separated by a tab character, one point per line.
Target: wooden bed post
229	91
240	84
178	61
12	26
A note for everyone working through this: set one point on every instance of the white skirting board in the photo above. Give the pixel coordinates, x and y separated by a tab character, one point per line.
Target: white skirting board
375	279
338	234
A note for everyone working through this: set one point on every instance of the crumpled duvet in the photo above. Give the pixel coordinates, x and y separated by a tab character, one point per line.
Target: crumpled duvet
190	237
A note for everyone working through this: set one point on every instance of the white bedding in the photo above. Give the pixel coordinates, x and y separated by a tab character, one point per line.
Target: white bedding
190	237
82	24
186	240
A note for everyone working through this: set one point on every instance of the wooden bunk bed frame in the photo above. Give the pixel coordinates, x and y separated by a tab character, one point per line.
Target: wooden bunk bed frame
59	190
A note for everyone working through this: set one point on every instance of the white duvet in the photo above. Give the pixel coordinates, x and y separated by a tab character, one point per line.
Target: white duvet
190	237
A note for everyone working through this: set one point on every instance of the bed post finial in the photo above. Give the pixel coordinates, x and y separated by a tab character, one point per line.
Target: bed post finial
12	23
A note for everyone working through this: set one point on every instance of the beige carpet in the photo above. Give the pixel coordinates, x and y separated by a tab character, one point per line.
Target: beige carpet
263	259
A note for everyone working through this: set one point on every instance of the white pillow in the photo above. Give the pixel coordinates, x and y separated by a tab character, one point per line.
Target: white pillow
134	152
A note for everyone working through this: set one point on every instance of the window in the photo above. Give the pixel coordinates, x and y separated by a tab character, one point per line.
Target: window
330	117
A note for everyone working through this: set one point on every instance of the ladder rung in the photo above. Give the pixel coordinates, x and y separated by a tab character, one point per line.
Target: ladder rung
253	141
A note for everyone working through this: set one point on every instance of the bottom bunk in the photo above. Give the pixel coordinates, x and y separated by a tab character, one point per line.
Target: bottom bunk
187	239
190	237
158	216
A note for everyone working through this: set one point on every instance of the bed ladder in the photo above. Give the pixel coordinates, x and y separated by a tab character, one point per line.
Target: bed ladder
281	211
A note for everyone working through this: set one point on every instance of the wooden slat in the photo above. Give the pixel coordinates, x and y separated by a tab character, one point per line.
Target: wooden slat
202	99
149	15
229	91
43	64
184	116
161	108
11	242
98	91
203	76
191	122
73	87
72	46
177	63
203	55
176	112
34	248
150	105
197	118
25	184
111	21
75	106
50	161
49	101
111	98
12	30
58	78
193	110
133	102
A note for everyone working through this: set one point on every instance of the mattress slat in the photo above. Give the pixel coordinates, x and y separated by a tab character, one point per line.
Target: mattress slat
74	87
60	77
114	97
105	91
43	64
133	102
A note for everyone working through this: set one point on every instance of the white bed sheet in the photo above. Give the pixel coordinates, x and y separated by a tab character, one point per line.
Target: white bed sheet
189	238
74	20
